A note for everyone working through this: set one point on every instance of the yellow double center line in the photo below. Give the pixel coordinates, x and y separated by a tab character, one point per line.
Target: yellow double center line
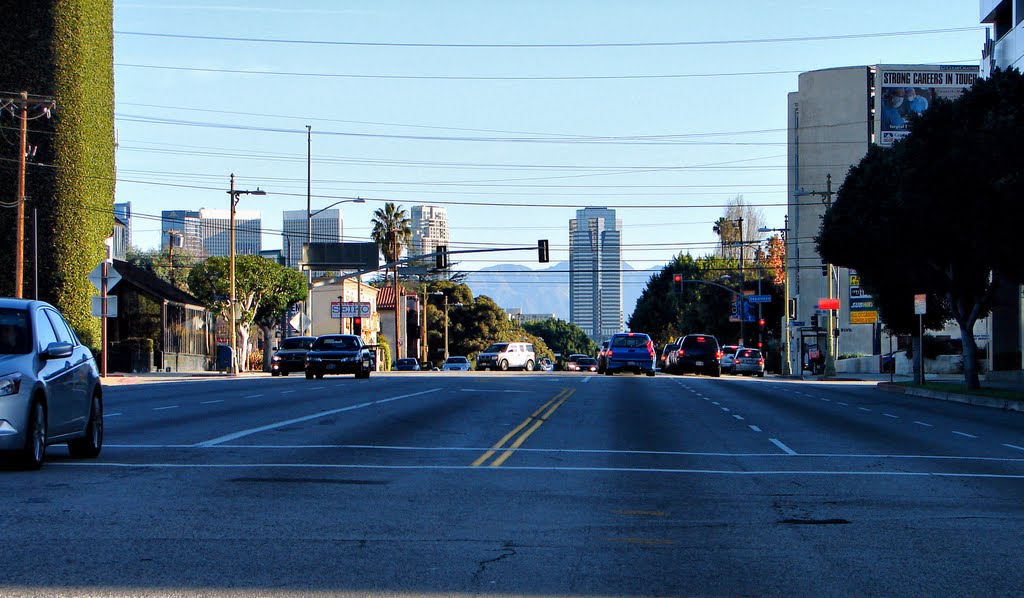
537	418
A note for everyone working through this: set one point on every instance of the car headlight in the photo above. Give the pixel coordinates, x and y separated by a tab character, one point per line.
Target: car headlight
276	358
10	385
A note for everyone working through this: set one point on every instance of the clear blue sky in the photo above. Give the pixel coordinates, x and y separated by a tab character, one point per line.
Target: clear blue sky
407	103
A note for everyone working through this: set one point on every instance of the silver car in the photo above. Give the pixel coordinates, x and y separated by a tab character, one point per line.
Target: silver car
748	361
456	363
50	390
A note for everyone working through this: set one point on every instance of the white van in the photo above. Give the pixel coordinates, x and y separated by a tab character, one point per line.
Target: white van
507	356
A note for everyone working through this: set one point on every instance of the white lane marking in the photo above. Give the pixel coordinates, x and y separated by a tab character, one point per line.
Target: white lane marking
318	388
782	446
714	402
211	402
253	396
1014	446
163	408
864	409
824	399
284	392
492	391
237	435
739	417
755	428
923	424
112	414
891	415
843	404
726	409
964	434
497	470
585	380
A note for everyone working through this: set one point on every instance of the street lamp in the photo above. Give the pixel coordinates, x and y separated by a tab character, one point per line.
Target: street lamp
787	367
309	240
446	306
235	196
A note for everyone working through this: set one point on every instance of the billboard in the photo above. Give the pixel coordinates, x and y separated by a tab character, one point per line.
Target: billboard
902	91
862	305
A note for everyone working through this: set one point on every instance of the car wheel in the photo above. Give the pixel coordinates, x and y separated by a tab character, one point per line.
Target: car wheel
760	374
33	454
285	372
716	373
274	374
529	365
309	375
651	373
608	372
504	365
89	446
319	376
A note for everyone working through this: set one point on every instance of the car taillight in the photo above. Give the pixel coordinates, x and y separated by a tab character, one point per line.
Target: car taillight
650	348
760	362
680	352
719	354
609	352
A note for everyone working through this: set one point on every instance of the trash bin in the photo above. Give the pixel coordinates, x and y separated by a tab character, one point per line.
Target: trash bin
225	357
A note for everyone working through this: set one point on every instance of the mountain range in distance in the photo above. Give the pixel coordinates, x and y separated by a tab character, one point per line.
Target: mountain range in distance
545	291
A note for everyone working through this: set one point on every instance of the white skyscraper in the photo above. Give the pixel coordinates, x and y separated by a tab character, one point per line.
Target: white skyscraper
215	231
326	227
429	228
595	272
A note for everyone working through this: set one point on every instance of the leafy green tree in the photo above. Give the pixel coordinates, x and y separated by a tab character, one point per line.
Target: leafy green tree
562	337
172	267
938	213
262	287
392	232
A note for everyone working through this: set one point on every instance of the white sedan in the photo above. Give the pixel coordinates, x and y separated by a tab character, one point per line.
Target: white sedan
456	363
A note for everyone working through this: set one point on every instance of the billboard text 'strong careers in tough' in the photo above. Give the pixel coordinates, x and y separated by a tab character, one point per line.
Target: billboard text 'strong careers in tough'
902	91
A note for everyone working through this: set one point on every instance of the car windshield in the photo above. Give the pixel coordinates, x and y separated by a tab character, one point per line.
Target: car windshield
14	332
406	361
496	348
336	343
457	360
749	353
587	361
630	341
297	342
691	342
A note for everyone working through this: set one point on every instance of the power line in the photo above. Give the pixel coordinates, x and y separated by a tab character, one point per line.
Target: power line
770	40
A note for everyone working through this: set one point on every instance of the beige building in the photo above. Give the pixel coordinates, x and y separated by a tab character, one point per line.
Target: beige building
327	309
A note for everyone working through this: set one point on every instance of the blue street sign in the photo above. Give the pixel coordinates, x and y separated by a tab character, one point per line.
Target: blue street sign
758	298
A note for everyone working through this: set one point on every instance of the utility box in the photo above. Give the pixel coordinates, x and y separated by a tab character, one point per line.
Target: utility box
225	357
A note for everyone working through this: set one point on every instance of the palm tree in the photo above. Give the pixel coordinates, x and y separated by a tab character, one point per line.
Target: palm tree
392	230
723	228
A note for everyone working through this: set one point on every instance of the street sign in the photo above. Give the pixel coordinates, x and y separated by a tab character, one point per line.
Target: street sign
96	276
797	323
97	306
863	317
759	298
351	309
920	305
300	322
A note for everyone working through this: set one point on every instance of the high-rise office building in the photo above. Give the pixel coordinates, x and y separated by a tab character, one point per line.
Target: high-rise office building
123	212
325	227
184	227
595	272
214	228
429	228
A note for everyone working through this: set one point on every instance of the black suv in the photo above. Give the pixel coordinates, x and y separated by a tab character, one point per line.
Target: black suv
697	353
339	354
291	355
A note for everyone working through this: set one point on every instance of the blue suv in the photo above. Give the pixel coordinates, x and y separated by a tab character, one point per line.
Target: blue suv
630	352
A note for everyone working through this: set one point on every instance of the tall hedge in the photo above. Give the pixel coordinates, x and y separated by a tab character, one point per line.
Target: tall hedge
63	49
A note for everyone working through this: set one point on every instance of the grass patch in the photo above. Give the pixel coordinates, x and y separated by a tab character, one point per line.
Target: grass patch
995	393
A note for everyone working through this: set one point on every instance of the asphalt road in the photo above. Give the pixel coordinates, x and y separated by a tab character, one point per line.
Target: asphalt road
541	484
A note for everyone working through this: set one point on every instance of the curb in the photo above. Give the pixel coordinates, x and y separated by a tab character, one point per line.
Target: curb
991	402
127	379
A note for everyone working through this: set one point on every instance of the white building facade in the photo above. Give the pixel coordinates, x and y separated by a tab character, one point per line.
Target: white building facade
215	231
324	227
595	272
429	228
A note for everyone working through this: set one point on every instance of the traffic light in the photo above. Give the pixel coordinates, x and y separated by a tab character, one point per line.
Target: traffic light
677	283
824	267
442	257
542	251
760	332
357	326
814	320
792	309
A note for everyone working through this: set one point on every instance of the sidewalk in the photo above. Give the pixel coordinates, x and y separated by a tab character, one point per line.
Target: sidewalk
119	379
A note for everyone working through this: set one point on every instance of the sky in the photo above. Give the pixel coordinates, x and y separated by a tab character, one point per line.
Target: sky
512	115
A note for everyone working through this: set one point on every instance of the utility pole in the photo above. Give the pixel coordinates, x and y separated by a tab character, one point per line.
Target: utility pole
740	301
830	359
19	250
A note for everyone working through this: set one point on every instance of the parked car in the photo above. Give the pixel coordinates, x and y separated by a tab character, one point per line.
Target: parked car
50	391
749	361
456	363
572	363
697	353
663	360
545	365
291	355
338	354
728	352
407	364
630	352
507	356
602	357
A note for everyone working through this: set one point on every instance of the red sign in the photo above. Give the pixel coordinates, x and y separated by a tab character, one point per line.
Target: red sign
828	304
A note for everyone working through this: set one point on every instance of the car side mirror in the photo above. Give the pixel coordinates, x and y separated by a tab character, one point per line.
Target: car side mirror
58	350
